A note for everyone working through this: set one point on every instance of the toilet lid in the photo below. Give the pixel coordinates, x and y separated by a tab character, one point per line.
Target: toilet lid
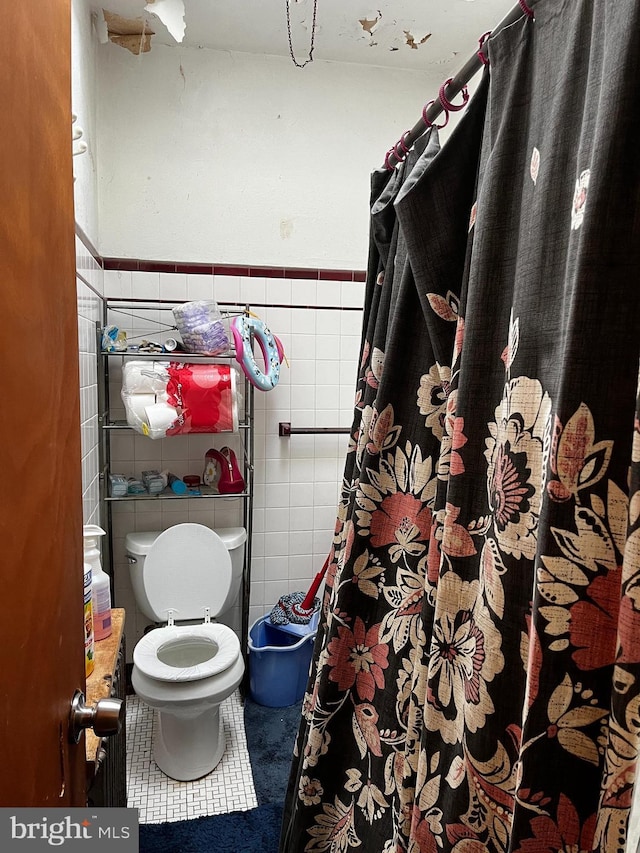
148	652
187	569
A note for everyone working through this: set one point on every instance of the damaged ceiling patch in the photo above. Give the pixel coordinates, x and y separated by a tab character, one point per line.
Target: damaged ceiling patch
134	34
368	26
413	44
388	34
171	13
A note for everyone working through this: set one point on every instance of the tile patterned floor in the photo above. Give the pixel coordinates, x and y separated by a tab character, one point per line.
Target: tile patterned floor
159	799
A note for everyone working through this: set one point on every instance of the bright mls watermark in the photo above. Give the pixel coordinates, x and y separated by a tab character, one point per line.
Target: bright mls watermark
70	829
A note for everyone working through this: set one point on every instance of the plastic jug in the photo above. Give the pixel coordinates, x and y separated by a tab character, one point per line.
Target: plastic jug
100	583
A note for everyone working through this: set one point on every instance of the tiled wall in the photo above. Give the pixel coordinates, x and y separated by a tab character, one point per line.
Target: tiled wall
297	478
89	290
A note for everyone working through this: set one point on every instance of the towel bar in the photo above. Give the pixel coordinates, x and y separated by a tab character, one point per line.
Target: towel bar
285	430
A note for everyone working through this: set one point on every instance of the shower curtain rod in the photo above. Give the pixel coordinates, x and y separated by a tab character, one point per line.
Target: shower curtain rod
454	87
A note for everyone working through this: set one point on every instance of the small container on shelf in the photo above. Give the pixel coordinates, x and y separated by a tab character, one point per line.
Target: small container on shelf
153	481
177	486
135	486
117	485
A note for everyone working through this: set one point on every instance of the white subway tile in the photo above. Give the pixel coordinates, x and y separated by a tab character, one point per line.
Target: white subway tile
325	494
302	470
173	286
276	447
300	542
329	293
253	291
303	346
351	323
273	591
199	287
257	569
303	291
301	566
349	348
352	294
226	288
303	372
276	568
277	495
259	519
326	398
301	518
276	519
302	446
276	544
328	347
303	397
327	321
279	291
326	470
145	285
324	517
303	321
301	494
328	372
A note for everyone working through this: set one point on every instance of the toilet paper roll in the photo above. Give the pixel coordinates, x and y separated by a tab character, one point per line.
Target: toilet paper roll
144	377
160	416
136	404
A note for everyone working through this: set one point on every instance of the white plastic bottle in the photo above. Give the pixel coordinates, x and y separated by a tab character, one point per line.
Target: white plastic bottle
100	585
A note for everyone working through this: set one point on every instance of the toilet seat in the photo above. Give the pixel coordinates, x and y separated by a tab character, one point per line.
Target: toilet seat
225	646
187	569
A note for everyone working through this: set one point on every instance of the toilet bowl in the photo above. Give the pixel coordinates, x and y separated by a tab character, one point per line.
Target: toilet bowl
183	578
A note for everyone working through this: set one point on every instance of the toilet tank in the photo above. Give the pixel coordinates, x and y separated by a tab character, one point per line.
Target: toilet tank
138	545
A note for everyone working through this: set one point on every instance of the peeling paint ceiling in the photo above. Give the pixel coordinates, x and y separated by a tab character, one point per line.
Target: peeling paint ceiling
396	33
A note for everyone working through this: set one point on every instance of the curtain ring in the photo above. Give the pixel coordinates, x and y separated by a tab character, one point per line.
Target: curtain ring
446	104
386	159
399	157
430	123
526	9
481	56
402	143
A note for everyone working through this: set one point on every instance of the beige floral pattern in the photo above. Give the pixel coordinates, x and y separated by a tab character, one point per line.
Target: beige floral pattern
515	453
465	656
432	397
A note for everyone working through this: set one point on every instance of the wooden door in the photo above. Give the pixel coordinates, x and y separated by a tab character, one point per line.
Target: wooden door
41	624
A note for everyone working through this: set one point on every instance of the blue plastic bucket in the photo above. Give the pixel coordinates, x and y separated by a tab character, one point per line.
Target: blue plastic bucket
279	662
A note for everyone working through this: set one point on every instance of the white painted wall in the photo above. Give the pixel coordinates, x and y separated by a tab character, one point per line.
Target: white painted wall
208	156
83	99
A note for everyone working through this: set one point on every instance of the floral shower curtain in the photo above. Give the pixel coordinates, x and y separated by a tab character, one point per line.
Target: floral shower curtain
475	684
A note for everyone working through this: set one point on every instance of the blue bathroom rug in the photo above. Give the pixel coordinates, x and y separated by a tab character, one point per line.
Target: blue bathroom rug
271	735
254	831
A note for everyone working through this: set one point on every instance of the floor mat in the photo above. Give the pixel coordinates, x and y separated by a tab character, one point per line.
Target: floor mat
271	736
255	831
229	788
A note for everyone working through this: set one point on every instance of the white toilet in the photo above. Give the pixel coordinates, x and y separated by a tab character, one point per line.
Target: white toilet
187	574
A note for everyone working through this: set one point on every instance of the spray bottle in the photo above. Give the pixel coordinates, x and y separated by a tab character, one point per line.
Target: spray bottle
100	585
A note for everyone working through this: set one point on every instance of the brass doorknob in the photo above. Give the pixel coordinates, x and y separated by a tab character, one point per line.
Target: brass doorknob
105	717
